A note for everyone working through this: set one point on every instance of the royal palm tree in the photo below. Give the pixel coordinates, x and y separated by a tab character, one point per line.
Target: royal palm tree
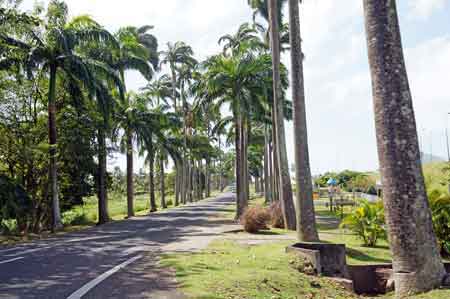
236	81
305	215
179	57
287	203
138	50
176	55
159	91
55	52
416	260
245	39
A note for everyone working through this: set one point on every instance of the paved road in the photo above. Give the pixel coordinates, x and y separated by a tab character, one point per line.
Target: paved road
117	260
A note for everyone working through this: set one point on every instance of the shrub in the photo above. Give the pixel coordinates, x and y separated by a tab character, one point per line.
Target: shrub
74	217
367	221
255	219
8	227
440	210
276	215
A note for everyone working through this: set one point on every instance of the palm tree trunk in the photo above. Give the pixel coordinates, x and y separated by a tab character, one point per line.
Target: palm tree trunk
163	187
287	203
130	187
305	215
238	168
271	172
178	170
174	86
417	263
189	180
53	172
266	169
275	169
103	215
208	177
244	163
153	207
246	132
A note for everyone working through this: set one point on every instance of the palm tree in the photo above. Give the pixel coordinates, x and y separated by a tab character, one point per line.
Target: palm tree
245	39
417	263
177	54
305	215
179	57
55	52
138	50
236	81
151	127
287	203
160	90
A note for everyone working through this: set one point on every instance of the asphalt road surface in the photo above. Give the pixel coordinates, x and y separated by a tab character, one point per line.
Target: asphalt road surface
116	260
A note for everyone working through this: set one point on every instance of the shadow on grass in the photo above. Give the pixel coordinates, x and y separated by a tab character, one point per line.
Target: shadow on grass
363	257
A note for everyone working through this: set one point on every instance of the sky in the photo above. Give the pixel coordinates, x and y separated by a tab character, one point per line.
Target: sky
337	79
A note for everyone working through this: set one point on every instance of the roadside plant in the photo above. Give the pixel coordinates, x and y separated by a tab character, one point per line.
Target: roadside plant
440	211
255	219
367	222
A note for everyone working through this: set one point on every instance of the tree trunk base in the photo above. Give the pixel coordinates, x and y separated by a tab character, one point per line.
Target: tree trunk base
446	280
57	227
407	284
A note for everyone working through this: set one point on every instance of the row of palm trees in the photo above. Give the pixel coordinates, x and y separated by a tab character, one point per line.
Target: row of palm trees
417	263
178	115
95	61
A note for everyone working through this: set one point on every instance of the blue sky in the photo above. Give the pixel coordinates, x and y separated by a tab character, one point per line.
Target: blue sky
338	91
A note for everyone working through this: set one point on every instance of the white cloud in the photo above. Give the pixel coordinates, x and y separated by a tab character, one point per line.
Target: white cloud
423	9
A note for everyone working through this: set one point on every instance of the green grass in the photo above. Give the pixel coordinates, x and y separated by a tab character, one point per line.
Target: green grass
227	270
117	207
435	177
86	215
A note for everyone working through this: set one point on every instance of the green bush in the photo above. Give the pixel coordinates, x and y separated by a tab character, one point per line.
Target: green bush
440	209
367	222
74	217
8	227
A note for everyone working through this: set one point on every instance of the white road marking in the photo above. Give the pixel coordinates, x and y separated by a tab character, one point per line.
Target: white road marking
11	260
27	251
84	239
93	283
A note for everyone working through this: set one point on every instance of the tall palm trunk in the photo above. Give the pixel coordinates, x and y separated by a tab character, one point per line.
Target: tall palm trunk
417	263
208	177
246	133
151	163
287	203
130	187
305	215
163	187
189	178
177	182
238	168
272	182
275	168
174	86
103	215
244	164
267	190
53	173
